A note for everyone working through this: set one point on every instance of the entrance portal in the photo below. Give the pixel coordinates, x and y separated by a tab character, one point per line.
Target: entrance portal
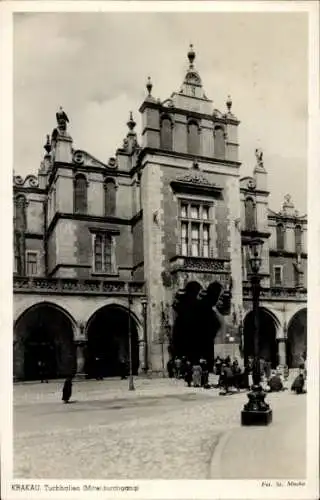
196	323
267	337
43	335
108	342
297	339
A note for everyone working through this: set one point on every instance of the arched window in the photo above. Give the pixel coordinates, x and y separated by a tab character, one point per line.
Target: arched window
80	194
166	133
109	197
298	239
193	138
219	143
280	237
20	213
250	214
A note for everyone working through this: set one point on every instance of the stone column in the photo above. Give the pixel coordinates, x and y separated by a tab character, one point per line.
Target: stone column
80	353
282	355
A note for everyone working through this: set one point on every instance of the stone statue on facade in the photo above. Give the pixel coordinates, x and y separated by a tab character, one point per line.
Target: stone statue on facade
62	120
259	156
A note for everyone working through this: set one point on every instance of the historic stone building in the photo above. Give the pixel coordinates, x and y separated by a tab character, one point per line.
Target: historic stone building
151	246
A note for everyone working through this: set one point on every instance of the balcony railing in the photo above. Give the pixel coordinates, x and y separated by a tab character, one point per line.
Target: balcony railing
199	264
277	292
77	286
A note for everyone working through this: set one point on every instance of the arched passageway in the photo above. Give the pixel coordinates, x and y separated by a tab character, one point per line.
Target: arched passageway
43	342
268	349
297	339
196	323
108	342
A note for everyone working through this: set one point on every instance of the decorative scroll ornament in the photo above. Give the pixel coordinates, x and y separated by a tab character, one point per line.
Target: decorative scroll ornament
29	181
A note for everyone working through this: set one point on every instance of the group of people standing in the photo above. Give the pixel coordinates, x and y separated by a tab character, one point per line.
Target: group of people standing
232	376
193	373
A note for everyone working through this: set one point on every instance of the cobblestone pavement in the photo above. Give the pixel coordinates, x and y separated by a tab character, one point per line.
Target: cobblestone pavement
163	430
277	451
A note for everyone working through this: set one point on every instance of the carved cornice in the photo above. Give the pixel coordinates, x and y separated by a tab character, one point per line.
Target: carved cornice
76	286
199	264
194	182
30	181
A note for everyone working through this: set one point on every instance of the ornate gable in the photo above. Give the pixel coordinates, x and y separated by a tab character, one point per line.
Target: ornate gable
84	159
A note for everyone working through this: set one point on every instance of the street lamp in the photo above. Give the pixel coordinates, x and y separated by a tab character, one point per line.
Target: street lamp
131	384
144	302
256	411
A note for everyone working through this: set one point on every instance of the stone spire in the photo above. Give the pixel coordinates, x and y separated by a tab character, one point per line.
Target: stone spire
131	141
192	85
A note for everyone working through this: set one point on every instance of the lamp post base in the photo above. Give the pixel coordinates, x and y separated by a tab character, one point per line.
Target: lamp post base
131	384
256	411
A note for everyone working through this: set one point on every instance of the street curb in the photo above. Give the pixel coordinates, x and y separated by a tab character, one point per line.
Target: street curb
215	464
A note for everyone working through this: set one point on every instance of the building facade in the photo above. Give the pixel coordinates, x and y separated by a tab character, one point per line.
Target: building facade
153	242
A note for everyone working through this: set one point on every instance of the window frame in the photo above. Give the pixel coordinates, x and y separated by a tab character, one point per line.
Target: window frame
37	262
275	268
194	122
254	215
110	180
113	264
166	117
215	142
192	223
283	231
77	176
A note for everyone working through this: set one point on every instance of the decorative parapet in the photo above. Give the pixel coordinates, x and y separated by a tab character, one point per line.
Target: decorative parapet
277	293
76	286
199	264
30	181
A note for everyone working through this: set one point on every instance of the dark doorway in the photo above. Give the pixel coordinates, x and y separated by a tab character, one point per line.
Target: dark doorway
297	339
108	342
196	323
267	337
44	336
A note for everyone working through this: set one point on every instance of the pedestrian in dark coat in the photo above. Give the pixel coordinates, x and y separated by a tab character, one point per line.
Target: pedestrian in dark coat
170	368
205	373
218	364
67	390
188	373
298	384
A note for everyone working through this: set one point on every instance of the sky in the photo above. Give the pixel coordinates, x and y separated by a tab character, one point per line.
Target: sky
96	67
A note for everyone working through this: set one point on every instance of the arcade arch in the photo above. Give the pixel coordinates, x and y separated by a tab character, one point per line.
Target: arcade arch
268	326
196	323
297	338
108	341
44	333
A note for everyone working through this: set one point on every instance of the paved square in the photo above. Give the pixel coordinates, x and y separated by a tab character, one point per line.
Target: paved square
162	430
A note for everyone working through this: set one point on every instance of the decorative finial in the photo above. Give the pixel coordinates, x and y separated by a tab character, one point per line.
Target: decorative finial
149	86
229	103
47	145
131	123
191	56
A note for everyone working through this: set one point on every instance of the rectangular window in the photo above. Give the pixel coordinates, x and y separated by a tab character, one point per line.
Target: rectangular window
32	263
195	240
195	236
184	239
184	211
277	275
205	213
194	212
206	230
104	255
